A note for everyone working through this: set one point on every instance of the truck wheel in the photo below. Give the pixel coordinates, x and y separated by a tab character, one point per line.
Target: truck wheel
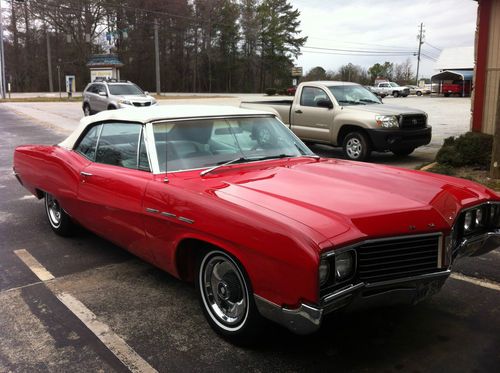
403	152
226	298
419	93
395	94
356	146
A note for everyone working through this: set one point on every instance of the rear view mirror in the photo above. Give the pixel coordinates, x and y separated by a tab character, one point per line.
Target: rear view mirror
146	93
324	103
102	93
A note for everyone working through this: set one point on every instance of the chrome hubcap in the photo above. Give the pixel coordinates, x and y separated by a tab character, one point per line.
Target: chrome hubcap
224	291
354	147
53	210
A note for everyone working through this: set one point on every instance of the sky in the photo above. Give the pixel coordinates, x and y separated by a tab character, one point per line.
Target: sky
384	27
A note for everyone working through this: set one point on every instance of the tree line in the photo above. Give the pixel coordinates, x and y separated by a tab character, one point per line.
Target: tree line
204	45
401	73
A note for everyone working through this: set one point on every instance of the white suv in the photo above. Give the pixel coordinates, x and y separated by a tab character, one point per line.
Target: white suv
113	94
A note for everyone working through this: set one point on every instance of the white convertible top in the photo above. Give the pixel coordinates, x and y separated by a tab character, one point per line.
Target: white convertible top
156	113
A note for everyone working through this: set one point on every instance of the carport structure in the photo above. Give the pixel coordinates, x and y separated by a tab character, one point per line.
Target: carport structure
464	76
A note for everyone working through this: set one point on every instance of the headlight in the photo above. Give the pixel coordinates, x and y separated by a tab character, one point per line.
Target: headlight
468	220
125	102
324	271
344	265
387	121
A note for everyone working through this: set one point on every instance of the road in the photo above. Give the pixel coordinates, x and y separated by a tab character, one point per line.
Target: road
158	317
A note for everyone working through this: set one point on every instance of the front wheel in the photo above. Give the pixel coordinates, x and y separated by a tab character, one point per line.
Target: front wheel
86	110
403	152
226	298
59	220
419	93
357	146
395	94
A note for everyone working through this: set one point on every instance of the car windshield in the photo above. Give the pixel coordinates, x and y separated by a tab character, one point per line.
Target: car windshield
394	84
347	95
196	144
124	89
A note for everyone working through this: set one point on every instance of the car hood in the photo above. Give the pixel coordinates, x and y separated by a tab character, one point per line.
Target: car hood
140	98
384	109
351	200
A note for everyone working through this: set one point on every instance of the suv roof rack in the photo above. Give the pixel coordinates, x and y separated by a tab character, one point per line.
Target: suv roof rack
110	80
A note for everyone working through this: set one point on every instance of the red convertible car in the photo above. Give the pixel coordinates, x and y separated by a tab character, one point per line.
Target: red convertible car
233	201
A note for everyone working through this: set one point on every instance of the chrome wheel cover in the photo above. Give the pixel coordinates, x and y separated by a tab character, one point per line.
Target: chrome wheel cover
354	147
54	211
224	291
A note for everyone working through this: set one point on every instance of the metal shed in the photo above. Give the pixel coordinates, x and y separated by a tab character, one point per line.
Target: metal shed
465	76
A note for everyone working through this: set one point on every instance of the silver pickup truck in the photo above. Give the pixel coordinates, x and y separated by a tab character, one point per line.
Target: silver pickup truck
348	115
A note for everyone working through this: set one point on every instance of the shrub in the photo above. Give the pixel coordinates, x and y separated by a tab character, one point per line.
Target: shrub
469	149
270	91
443	169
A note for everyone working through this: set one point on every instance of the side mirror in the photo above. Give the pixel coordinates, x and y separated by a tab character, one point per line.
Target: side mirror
324	103
146	93
102	93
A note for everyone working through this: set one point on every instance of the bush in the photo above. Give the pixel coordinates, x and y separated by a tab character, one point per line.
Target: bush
282	91
270	91
469	149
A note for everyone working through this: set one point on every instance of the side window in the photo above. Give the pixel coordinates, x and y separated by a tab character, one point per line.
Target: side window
384	85
98	88
119	144
311	95
87	145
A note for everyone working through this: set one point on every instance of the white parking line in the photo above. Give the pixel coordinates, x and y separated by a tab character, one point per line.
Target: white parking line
473	280
111	340
33	264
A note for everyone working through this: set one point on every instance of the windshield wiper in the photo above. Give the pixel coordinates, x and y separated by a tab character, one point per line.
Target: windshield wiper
222	164
370	101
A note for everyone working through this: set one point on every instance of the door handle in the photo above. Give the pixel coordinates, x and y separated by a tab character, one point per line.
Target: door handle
298	111
85	173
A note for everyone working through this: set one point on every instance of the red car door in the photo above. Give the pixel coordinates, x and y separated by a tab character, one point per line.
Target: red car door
111	188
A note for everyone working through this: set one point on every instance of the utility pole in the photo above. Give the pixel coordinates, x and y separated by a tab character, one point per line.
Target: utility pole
420	38
157	59
49	60
2	56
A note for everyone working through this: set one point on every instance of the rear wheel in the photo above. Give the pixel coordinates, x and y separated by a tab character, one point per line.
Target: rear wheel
86	110
59	221
357	146
226	298
419	93
395	94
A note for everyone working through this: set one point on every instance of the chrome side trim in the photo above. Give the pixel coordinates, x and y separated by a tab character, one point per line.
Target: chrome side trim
153	211
168	214
185	220
478	245
149	141
303	320
338	294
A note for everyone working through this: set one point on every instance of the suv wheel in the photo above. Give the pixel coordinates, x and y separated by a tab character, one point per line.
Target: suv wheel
86	110
395	94
419	93
356	146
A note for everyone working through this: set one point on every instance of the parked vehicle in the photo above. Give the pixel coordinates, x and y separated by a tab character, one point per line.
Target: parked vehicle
113	94
290	91
416	90
348	115
233	201
456	88
384	89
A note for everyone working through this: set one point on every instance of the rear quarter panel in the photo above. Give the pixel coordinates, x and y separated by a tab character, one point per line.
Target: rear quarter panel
50	169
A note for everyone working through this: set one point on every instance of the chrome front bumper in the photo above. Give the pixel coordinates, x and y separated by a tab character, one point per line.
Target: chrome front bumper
307	319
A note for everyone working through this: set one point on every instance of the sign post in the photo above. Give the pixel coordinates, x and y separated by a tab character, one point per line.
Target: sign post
70	85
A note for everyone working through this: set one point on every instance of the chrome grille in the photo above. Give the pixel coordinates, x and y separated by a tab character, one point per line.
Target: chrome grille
390	259
413	121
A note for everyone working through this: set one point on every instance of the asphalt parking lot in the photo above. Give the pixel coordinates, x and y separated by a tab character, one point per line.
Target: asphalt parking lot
158	317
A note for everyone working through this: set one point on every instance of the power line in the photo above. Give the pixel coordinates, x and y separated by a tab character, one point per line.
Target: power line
357	50
432	46
357	54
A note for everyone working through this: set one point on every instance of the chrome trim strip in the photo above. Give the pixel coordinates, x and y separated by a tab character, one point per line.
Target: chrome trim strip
407	279
350	289
185	220
440	253
168	214
153	211
149	140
